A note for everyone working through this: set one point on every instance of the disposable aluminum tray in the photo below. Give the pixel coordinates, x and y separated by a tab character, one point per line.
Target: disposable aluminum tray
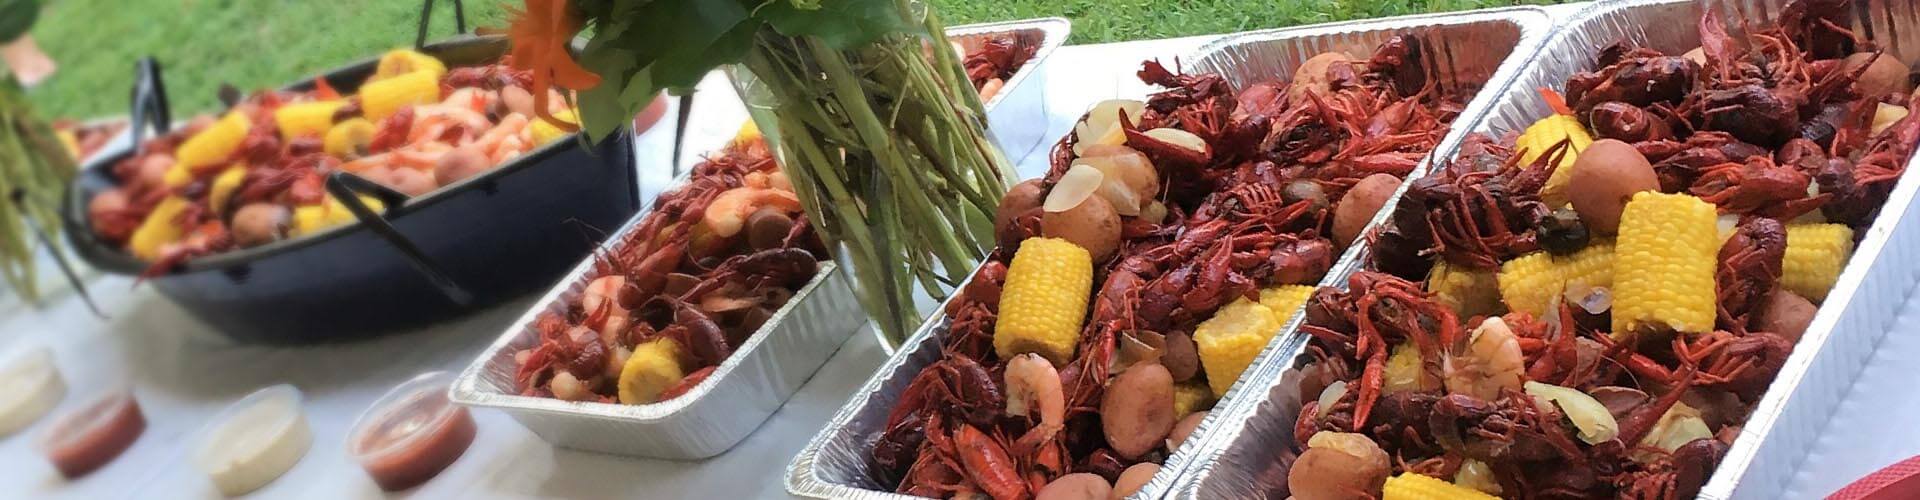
1466	48
1249	455
1017	116
715	415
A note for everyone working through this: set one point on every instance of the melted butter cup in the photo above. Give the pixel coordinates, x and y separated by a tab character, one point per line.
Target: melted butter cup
254	441
30	387
412	433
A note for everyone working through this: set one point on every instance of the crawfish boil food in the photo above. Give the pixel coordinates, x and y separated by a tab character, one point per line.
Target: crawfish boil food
1137	280
1522	337
254	175
698	276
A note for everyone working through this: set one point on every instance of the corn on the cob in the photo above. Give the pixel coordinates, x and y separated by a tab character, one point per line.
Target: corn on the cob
1284	300
1663	267
748	133
348	139
314	218
212	147
1411	486
1544	134
158	229
1406	373
1529	283
545	132
306	118
223	187
1591	267
1230	340
383	98
650	370
1191	396
1469	292
402	61
1816	253
1044	301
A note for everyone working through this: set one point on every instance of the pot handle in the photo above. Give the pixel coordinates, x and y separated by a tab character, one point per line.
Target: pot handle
149	101
680	132
426	15
347	188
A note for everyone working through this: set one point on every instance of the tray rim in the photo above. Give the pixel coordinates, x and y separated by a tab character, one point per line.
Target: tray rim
802	479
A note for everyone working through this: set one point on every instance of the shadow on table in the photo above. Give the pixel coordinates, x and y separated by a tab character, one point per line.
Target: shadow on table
167	349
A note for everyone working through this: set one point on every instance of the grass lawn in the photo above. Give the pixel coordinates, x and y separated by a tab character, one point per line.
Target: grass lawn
259	43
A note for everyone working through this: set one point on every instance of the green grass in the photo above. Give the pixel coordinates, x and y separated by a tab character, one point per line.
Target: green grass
264	43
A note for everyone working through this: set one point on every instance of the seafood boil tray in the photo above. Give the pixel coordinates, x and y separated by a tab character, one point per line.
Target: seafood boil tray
1850	393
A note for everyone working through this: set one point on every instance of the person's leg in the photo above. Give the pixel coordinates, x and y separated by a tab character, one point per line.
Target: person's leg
28	63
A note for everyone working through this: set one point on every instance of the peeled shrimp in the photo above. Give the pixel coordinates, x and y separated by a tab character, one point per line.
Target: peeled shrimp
1491	362
604	292
1033	384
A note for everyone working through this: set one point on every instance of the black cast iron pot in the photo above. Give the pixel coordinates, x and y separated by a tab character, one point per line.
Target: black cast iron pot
507	232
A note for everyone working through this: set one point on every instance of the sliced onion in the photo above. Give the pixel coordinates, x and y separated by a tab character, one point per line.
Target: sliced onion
1595	423
1180	138
1105	115
1887	115
1592	299
1477	475
1681	425
1726	224
1332	395
1074	187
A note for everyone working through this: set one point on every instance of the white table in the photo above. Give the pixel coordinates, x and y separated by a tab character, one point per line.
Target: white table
183	374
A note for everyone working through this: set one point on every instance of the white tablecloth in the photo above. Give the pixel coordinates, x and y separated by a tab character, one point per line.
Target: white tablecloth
183	374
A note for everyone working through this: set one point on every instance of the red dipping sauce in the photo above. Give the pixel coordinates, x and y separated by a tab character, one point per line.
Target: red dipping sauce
412	433
85	439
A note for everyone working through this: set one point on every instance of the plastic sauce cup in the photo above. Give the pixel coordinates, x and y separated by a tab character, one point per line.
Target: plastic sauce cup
412	433
254	441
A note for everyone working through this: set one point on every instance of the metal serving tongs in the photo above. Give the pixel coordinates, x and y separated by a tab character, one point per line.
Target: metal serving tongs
347	188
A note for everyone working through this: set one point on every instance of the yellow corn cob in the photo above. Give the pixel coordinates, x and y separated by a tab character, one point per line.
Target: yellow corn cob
224	186
653	367
402	61
1469	292
1530	283
544	132
1230	340
314	218
158	229
306	118
1591	267
1544	134
212	147
1405	372
348	139
383	98
1191	396
748	133
1410	486
69	142
1663	267
1815	255
1044	302
1284	300
177	176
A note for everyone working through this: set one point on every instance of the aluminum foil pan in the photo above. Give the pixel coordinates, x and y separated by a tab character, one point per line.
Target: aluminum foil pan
716	414
1249	456
1017	116
1470	51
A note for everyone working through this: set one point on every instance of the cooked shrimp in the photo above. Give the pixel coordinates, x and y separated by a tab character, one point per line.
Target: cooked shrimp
603	294
729	211
1033	384
1491	362
566	387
